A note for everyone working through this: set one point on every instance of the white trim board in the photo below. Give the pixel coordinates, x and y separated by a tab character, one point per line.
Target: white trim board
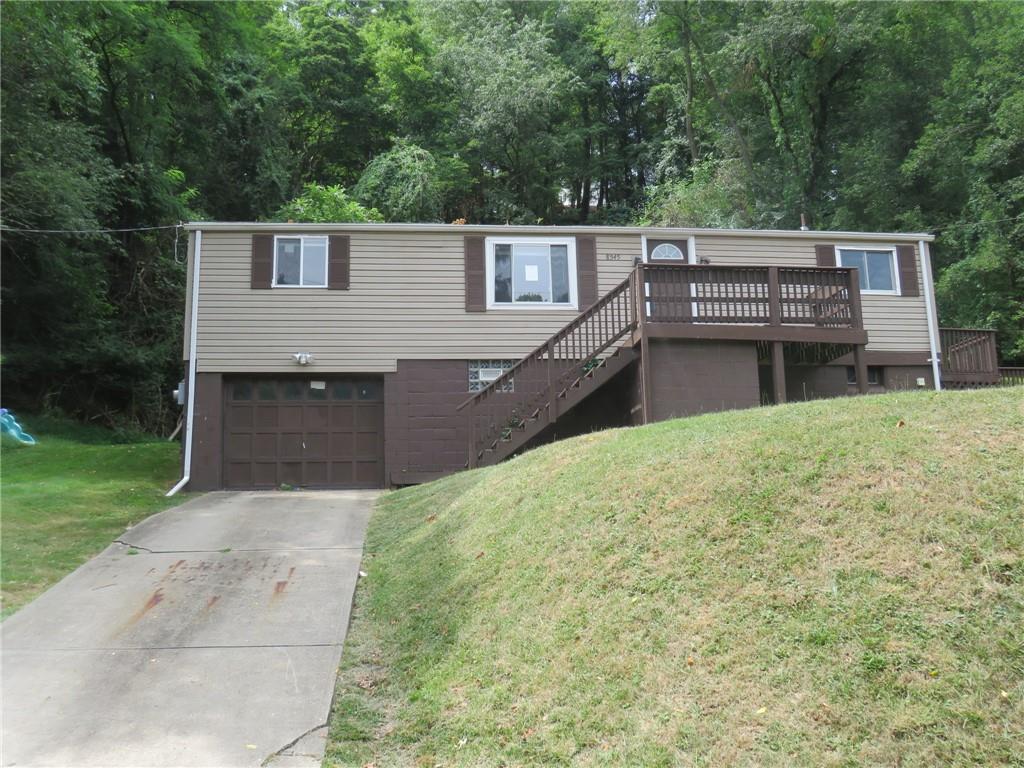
659	233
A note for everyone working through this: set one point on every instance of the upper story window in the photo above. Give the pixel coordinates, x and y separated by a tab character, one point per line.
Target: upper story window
876	268
300	262
531	273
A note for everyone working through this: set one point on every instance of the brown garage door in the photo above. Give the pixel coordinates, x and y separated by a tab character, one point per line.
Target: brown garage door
326	433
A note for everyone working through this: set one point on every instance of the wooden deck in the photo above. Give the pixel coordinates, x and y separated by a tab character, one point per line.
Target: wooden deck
772	306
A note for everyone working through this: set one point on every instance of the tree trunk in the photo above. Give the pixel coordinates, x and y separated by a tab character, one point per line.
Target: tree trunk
690	140
588	153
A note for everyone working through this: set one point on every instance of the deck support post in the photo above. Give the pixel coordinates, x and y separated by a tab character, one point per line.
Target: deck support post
778	373
645	379
472	439
861	367
552	394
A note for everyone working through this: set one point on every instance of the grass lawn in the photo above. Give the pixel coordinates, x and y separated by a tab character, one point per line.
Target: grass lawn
834	583
67	497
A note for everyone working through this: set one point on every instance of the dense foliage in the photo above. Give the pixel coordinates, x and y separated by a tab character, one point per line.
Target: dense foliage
872	116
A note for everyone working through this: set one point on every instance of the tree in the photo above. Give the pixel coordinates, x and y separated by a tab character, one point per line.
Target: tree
971	158
319	204
511	85
335	121
406	183
712	195
877	116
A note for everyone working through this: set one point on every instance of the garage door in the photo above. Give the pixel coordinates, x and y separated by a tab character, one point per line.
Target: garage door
318	433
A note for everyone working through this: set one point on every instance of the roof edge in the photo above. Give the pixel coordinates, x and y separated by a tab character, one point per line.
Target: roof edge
252	226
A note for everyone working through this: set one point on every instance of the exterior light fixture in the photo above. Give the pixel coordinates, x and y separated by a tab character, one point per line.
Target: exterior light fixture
303	358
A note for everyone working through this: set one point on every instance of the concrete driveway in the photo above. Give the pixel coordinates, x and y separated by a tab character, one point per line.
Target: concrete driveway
209	635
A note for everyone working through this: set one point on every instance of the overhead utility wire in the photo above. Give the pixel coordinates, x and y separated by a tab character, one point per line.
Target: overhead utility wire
85	231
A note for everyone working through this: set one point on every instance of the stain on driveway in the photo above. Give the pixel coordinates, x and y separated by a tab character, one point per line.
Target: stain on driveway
208	635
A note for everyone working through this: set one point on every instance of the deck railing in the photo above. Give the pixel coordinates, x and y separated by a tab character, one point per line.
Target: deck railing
1011	376
689	293
969	355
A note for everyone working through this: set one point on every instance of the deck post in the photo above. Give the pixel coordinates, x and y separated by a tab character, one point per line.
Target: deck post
774	297
856	313
472	438
645	377
861	368
778	373
640	314
552	395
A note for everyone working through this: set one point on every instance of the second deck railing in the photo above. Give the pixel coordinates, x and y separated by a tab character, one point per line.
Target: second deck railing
689	293
969	354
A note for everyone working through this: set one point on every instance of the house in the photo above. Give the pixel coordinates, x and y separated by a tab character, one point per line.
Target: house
371	355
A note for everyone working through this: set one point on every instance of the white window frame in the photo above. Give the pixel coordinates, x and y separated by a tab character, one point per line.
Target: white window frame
691	258
532	306
894	260
302	259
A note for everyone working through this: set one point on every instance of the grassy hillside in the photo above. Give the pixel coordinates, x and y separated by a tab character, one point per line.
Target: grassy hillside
67	497
830	583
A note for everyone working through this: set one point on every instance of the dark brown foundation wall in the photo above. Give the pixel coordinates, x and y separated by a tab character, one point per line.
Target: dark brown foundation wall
812	382
691	377
426	438
207	445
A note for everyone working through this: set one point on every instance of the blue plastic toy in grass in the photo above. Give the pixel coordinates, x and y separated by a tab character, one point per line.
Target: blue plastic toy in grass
11	427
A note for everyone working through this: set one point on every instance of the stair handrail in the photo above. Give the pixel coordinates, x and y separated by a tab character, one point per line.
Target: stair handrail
567	356
561	333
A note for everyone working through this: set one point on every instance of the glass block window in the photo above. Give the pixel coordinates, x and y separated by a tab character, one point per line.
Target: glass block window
483	372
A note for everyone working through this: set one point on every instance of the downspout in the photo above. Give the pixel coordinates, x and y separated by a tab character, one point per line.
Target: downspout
190	407
929	303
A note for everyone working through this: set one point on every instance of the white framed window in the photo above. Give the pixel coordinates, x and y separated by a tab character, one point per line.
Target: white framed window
876	267
531	273
300	261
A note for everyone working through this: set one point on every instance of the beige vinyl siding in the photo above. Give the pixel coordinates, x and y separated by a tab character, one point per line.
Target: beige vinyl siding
406	301
893	323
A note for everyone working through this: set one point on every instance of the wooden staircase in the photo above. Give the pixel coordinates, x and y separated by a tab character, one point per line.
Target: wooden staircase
554	378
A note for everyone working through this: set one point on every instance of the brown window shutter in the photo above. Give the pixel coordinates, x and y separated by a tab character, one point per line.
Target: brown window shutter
907	261
262	274
476	274
825	255
338	262
586	270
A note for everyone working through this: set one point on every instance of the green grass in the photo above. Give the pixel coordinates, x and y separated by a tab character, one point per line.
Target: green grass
67	497
835	583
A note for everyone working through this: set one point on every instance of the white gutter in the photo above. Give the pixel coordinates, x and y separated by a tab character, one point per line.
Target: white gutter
665	233
929	303
192	357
